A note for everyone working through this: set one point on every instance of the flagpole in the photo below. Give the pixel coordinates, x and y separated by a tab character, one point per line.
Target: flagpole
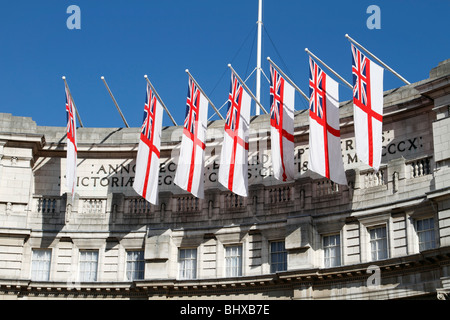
288	79
160	100
246	88
337	75
115	102
70	94
258	56
201	90
378	60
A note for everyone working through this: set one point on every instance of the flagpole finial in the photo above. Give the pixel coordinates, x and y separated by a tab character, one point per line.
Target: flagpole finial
64	77
145	76
346	35
187	70
306	49
229	65
268	58
102	77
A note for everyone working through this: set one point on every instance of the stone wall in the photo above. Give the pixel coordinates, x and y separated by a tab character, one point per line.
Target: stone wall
106	215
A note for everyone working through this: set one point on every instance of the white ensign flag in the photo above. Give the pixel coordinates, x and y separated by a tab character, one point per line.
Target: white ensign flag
190	168
147	161
71	163
367	108
233	170
325	156
282	96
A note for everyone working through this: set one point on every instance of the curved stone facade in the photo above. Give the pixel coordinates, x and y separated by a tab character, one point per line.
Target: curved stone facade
386	235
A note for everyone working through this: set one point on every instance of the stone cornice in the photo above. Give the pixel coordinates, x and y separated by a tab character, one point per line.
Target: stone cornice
315	279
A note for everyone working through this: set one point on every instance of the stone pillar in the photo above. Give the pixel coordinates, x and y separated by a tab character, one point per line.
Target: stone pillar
298	243
396	174
157	254
437	89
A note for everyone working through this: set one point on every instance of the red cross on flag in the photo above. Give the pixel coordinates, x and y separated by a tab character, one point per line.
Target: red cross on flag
367	108
71	164
325	157
282	96
190	168
147	161
233	170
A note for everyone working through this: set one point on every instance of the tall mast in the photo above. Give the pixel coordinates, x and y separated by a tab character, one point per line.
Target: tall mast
258	61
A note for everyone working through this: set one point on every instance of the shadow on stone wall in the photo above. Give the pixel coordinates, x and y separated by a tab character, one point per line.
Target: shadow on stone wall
49	206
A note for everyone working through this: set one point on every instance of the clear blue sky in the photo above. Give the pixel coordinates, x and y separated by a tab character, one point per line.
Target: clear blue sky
124	40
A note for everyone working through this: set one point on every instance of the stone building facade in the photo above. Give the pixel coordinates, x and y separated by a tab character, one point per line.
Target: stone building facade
386	235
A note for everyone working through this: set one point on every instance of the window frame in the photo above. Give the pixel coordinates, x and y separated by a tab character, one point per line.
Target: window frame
48	263
284	254
80	262
385	241
240	259
134	263
183	273
374	221
433	230
324	249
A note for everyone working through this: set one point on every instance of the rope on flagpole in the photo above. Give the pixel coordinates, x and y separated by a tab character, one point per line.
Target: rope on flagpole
265	76
218	109
244	81
160	100
115	102
332	71
70	94
201	90
247	89
378	60
288	79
